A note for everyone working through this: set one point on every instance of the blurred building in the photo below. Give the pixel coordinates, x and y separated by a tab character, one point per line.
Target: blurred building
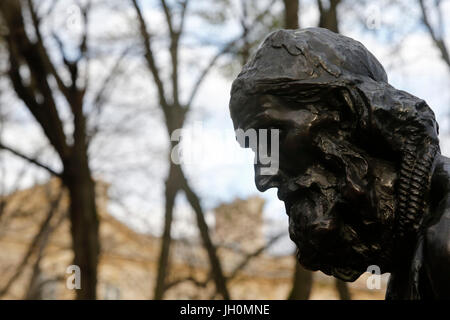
239	225
34	260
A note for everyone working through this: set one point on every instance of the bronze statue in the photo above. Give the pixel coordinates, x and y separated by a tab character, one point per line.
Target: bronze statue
360	169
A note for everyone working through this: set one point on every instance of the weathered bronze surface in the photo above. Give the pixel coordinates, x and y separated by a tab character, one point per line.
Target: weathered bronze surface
360	169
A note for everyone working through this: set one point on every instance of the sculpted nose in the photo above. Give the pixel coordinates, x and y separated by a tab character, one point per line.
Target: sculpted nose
265	182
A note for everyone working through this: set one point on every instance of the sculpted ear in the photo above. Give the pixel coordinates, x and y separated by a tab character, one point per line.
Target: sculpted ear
408	126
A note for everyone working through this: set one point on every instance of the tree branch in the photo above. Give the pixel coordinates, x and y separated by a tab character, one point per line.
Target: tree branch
198	283
168	15
149	56
99	99
43	52
37	96
84	42
183	14
438	40
174	40
224	50
40	237
252	255
216	266
29	159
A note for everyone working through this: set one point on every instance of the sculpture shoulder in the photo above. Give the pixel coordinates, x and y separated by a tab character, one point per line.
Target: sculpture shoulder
437	236
437	251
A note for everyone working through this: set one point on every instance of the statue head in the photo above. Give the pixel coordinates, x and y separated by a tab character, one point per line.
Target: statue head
355	154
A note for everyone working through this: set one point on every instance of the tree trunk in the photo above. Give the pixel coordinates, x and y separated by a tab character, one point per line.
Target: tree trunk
216	267
301	283
328	16
76	175
84	223
291	14
163	264
34	291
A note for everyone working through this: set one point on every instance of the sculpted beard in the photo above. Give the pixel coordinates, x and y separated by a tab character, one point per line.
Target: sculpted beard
341	233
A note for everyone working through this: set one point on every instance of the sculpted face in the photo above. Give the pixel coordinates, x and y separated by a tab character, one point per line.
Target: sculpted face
339	199
356	155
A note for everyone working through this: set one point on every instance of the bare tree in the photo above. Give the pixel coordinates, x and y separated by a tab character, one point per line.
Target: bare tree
174	116
175	112
302	283
44	89
291	17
